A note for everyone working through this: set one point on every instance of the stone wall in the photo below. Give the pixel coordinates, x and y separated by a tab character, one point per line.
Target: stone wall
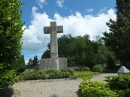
53	63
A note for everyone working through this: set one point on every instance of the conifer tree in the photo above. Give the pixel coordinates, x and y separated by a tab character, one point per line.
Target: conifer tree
118	39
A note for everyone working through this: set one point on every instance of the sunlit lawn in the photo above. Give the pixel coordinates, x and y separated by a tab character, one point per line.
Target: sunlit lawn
85	73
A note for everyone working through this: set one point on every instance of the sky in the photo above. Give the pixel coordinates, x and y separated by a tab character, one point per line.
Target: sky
78	17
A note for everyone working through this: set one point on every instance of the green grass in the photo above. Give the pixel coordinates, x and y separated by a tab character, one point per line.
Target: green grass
85	73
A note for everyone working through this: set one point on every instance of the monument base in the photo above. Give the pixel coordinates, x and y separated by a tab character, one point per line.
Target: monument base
53	63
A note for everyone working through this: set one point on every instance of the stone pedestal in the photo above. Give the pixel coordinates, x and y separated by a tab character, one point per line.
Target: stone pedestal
53	63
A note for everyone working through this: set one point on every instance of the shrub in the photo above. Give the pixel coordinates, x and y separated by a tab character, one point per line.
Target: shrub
124	93
85	69
33	75
97	68
55	74
65	73
71	71
118	82
7	78
73	77
95	89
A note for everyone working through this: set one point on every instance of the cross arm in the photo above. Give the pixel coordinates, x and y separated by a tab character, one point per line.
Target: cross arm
59	29
47	30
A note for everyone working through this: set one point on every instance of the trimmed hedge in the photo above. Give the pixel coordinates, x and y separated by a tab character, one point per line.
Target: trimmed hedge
33	75
42	74
54	74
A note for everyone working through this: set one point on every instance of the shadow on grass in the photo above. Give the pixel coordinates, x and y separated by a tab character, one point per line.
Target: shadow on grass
7	92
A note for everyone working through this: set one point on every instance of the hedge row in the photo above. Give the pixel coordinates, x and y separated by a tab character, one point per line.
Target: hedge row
42	74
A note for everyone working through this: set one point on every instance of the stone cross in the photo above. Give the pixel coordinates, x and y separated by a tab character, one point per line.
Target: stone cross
53	30
54	62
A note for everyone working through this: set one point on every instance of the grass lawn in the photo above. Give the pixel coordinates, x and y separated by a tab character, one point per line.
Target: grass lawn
85	73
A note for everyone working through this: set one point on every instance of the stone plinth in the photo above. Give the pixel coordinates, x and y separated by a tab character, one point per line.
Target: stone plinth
53	63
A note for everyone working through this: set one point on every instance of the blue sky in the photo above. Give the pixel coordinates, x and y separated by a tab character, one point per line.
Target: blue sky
78	17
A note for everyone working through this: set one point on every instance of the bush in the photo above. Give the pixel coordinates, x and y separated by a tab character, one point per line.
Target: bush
54	74
95	89
73	77
85	69
7	78
33	75
97	68
118	82
124	93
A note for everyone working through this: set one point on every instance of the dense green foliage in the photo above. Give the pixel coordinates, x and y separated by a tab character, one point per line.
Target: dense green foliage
20	64
10	39
33	75
42	74
119	84
59	74
85	69
54	74
32	62
118	37
97	68
95	89
115	86
81	51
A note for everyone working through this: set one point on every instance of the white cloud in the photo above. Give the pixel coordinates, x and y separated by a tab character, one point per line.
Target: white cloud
103	10
26	62
40	3
60	3
78	24
90	10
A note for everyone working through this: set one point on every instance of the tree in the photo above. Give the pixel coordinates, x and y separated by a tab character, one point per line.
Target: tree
63	42
20	64
29	64
46	54
76	50
118	37
10	39
90	55
35	61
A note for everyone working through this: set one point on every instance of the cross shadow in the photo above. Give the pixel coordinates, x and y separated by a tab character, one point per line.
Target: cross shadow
7	92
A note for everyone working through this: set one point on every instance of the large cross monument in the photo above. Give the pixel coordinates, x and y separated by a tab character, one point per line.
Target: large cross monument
54	62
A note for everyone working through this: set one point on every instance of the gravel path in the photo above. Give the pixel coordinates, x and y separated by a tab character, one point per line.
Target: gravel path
51	88
54	88
101	77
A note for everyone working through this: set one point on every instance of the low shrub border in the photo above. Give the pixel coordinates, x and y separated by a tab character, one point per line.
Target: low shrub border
115	86
53	74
